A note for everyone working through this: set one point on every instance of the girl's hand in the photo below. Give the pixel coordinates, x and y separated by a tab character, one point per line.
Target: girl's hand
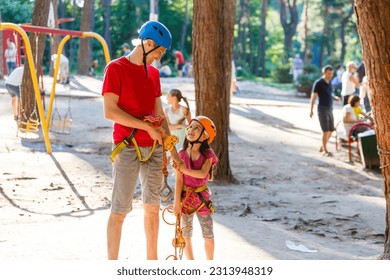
176	208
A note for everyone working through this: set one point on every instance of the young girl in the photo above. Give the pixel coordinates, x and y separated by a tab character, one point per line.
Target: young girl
192	195
177	115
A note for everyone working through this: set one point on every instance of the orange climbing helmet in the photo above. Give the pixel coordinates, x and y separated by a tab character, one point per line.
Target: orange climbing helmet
208	126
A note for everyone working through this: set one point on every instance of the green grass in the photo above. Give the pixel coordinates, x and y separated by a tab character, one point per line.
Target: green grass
269	82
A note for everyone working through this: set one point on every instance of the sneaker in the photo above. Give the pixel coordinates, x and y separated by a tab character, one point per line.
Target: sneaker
327	154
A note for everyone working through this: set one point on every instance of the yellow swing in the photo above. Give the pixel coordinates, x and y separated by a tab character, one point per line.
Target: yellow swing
59	124
62	124
29	127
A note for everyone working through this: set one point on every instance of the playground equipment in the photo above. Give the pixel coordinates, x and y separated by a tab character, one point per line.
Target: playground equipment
22	29
62	124
29	128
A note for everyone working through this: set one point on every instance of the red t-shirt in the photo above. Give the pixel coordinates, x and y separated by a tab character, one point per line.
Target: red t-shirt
180	57
137	94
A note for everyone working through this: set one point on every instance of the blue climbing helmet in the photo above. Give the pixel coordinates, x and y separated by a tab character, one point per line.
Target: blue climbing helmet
157	32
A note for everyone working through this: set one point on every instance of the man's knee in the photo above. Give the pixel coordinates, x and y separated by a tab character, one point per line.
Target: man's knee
151	209
117	218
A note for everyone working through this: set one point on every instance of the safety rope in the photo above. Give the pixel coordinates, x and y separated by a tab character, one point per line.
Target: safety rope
384	154
178	241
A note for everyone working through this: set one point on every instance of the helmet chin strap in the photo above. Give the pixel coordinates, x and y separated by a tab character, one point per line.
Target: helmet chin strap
197	140
192	145
145	54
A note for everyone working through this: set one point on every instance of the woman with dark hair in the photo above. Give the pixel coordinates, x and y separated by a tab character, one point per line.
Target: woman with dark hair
353	113
178	116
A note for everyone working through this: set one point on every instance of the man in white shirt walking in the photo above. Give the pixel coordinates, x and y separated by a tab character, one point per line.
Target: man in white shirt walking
349	82
12	84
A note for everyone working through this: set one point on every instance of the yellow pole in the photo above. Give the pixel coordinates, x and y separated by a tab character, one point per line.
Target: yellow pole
53	88
102	41
17	28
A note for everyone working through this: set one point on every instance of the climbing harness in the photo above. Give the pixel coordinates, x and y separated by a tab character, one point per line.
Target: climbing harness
190	208
156	121
169	142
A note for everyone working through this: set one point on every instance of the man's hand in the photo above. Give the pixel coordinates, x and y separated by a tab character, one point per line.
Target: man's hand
337	98
311	113
155	133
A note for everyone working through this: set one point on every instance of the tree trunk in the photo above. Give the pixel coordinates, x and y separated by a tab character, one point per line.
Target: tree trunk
289	21
324	37
306	32
344	23
213	29
261	47
373	20
107	27
55	39
242	28
84	47
1	52
28	102
251	50
184	28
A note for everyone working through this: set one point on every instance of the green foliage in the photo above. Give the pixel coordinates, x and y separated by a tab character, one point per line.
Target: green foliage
172	14
128	15
281	74
17	12
305	81
310	69
271	83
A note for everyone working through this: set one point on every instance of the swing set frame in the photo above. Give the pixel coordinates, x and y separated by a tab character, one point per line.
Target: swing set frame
22	29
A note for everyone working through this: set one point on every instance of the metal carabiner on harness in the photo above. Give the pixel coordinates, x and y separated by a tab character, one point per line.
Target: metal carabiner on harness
165	197
178	241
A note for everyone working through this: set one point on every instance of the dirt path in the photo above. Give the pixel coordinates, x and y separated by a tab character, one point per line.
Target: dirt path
56	207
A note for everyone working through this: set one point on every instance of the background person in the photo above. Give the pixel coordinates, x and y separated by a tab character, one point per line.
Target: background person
126	49
94	65
64	68
349	82
165	70
364	95
178	116
297	67
323	90
10	56
352	114
12	84
179	62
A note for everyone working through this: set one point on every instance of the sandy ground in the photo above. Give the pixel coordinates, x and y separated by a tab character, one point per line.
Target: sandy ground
290	202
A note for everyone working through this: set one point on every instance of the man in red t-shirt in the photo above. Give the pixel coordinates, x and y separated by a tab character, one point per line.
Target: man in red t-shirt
179	63
131	91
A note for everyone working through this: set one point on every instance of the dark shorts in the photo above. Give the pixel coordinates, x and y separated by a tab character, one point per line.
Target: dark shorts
13	90
326	119
180	66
